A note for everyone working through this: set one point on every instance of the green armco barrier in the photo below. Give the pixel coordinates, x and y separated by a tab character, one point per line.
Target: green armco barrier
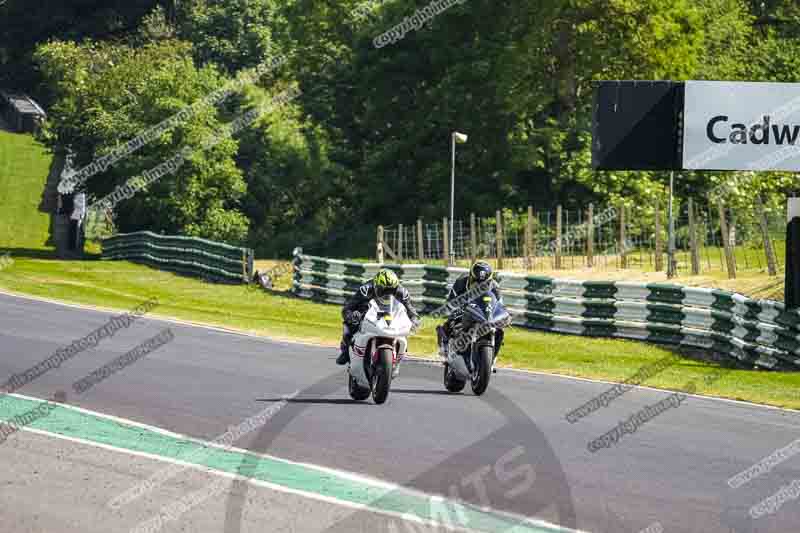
762	333
186	255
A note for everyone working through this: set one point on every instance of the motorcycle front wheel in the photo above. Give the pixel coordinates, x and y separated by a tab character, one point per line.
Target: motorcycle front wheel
382	375
483	370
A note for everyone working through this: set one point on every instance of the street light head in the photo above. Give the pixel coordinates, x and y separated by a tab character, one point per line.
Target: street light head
460	137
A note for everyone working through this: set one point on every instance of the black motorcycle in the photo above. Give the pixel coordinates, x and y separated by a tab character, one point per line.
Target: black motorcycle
471	348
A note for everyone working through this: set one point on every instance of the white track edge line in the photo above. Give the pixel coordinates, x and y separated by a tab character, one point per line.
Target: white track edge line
207	443
312	495
239	477
351	476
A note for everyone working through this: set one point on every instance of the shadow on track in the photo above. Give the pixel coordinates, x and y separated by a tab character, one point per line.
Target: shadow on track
430	391
536	484
317	401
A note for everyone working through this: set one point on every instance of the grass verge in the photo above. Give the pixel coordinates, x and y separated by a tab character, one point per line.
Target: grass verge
122	285
24	167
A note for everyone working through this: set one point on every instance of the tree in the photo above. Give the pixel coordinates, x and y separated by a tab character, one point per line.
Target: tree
233	34
25	25
107	94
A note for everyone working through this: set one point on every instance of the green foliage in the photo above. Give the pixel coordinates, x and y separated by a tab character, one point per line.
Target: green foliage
221	225
233	34
107	94
728	26
156	26
368	140
292	185
26	24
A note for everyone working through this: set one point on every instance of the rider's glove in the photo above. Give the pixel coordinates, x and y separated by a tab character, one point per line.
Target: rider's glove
415	324
354	317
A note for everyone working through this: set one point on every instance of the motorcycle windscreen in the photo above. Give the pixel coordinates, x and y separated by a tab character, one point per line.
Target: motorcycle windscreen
387	307
500	315
480	309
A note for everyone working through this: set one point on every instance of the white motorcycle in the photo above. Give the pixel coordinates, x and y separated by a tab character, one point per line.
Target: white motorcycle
377	349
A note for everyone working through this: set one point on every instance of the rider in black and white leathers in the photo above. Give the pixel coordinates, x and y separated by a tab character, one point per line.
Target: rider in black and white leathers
356	306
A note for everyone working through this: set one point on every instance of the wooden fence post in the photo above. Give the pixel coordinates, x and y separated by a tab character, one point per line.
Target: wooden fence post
693	239
529	252
730	260
379	247
558	238
768	249
400	242
623	239
499	237
659	245
473	238
590	236
525	255
446	241
420	241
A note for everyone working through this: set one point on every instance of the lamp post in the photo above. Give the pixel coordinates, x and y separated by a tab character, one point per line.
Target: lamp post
456	137
671	265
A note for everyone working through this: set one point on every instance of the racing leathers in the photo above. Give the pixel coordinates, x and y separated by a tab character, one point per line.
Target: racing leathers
461	286
357	305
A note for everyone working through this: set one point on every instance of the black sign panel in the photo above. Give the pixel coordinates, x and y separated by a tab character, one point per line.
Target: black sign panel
637	125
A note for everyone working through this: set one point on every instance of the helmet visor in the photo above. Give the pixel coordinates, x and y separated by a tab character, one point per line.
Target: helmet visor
383	293
480	274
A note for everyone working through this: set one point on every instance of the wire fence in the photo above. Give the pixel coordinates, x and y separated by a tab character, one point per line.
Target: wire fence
615	238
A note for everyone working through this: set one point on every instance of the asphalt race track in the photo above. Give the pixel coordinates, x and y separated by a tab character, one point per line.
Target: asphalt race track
510	452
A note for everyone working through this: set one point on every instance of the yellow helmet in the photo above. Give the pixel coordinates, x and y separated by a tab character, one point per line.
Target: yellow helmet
386	282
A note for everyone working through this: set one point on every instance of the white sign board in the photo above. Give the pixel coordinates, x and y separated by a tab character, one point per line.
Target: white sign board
741	126
793	208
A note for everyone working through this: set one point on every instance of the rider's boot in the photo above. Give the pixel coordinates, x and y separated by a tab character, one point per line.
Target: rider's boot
396	368
498	341
344	354
441	336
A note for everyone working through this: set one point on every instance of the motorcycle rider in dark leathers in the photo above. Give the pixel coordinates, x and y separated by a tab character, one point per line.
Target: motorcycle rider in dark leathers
383	284
479	272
